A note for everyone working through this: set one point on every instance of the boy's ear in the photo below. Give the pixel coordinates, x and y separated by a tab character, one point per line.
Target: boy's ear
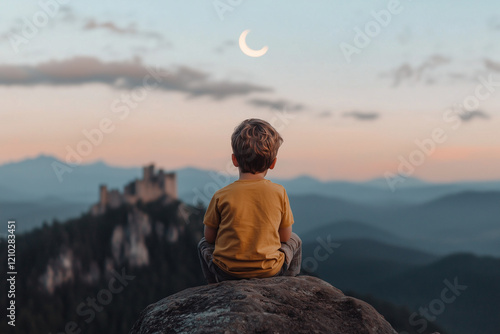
273	164
235	162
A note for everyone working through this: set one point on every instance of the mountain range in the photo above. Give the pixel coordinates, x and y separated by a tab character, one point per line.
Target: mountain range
154	246
399	256
36	178
437	218
416	280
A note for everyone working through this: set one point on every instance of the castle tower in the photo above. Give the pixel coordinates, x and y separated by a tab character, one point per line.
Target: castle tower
148	172
103	195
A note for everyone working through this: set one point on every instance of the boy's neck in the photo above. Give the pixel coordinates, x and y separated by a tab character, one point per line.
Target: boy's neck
250	176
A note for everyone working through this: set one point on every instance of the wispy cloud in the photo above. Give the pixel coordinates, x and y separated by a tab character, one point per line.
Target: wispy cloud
492	65
470	115
362	115
122	74
63	14
324	114
112	27
408	73
275	104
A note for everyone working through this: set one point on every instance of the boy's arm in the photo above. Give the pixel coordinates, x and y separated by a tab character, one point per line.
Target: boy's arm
210	234
285	233
285	229
211	221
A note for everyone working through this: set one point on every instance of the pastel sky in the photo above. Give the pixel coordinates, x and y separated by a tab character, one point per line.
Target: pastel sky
420	76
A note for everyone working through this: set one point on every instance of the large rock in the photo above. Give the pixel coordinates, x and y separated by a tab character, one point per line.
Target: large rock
300	304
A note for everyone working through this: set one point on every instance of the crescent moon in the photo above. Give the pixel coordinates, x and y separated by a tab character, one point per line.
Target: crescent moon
248	51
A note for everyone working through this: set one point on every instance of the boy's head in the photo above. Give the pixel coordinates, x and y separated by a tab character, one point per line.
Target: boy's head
255	145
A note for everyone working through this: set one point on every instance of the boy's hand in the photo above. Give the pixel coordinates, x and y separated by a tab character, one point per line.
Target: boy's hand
210	234
285	233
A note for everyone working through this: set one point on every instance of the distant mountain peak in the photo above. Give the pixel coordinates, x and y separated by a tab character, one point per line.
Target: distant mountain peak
44	156
41	158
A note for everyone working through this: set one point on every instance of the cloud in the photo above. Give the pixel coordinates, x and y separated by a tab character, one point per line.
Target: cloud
122	75
492	65
92	25
130	30
407	72
64	14
275	104
362	116
324	114
470	115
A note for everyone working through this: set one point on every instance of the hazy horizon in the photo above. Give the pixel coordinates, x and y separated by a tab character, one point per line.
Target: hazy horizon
233	171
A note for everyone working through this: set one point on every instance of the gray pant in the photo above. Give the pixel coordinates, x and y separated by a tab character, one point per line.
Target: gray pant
213	274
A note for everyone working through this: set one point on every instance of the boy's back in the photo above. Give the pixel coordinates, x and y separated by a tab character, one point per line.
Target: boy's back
248	215
248	224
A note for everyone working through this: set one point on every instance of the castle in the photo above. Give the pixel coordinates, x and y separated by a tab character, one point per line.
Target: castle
151	187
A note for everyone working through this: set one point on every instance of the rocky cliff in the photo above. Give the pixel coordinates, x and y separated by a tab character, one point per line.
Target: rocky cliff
301	304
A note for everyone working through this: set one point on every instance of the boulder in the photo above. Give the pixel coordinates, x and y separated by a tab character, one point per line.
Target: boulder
302	304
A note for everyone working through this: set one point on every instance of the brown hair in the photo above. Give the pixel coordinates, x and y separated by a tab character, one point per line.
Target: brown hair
255	145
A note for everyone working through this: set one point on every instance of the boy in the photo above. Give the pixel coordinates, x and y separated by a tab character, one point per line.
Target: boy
248	224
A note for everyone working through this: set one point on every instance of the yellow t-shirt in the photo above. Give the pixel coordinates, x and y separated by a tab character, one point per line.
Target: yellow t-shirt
248	214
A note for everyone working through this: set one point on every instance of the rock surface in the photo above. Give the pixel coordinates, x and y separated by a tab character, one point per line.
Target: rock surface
302	304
